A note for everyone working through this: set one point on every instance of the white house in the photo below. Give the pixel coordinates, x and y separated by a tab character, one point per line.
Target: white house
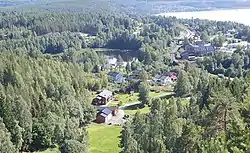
112	62
162	80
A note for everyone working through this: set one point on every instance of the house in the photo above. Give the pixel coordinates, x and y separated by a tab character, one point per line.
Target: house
112	62
106	114
116	77
165	80
228	35
172	75
3	36
122	64
199	49
135	75
162	80
103	98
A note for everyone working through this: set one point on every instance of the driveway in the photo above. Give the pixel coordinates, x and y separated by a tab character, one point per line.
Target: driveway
118	119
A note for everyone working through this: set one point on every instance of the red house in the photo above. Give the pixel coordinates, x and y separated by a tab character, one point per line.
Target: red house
106	114
173	76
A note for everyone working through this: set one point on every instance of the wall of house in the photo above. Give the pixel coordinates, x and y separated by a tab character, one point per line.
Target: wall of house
108	117
100	119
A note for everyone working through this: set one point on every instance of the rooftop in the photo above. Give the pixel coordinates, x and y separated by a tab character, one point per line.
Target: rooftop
114	74
105	112
105	93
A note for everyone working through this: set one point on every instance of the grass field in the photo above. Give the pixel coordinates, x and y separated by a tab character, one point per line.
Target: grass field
127	98
132	111
104	138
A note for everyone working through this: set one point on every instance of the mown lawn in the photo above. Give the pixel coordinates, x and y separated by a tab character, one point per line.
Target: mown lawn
127	98
104	138
132	111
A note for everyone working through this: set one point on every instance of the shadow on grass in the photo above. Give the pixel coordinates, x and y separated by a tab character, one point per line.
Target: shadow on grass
167	96
135	107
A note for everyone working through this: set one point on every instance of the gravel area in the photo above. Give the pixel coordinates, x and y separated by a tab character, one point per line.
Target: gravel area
118	119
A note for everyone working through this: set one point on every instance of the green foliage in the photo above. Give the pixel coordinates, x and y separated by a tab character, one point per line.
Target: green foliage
214	120
183	86
144	93
6	145
41	101
73	146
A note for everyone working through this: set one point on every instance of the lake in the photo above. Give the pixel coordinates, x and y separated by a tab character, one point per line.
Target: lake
236	15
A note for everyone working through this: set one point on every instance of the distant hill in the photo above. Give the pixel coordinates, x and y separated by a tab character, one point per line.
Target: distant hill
127	6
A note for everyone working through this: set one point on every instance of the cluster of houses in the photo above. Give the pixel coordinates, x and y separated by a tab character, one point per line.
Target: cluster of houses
112	62
164	79
105	113
103	98
198	49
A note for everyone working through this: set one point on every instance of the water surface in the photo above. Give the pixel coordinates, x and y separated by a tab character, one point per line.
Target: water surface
236	15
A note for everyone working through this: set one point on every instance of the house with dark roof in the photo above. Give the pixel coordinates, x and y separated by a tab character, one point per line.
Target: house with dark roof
135	75
198	49
106	114
116	77
162	80
103	98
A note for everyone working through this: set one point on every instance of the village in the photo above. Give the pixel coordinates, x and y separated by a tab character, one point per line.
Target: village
115	107
111	109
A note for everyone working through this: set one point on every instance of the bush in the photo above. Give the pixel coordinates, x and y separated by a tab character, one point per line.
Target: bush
72	146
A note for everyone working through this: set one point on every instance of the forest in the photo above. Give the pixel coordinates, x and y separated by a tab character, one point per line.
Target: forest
216	118
49	58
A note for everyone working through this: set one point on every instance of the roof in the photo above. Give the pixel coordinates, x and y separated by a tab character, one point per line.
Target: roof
105	112
173	77
164	77
200	47
105	93
112	61
104	115
157	76
114	74
98	97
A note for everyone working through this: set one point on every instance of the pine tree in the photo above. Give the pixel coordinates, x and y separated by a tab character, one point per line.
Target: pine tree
183	86
144	93
6	145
